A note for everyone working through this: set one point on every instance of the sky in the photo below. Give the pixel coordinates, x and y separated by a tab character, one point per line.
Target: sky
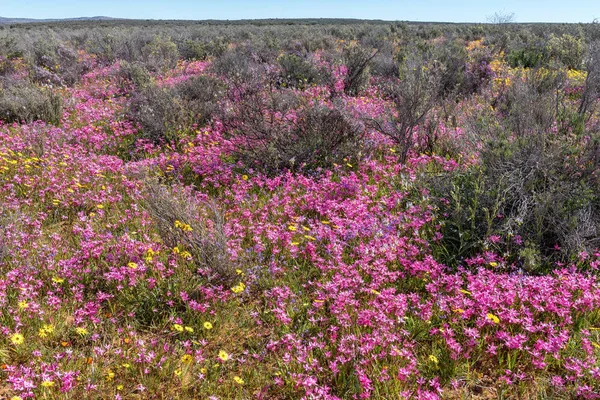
404	10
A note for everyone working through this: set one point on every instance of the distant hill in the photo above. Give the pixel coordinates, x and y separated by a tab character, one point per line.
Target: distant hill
4	20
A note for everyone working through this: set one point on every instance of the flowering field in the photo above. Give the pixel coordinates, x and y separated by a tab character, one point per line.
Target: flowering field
211	230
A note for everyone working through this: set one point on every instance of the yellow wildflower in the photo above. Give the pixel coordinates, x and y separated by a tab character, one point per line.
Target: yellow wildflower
292	228
110	375
183	226
223	355
494	264
245	177
240	287
310	237
493	318
23	305
178	327
186	254
186	359
208	325
120	387
48	384
81	331
178	372
100	206
132	265
17	339
433	359
189	329
238	380
57	279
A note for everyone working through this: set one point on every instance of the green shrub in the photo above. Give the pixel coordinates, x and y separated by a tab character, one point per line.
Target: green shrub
193	50
530	104
567	49
525	194
201	96
357	60
160	54
24	102
159	113
297	72
237	67
384	65
135	73
9	48
527	57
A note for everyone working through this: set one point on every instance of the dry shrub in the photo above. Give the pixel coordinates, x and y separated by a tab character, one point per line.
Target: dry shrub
8	220
591	91
414	97
22	101
159	112
358	60
3	246
316	139
136	73
202	234
201	96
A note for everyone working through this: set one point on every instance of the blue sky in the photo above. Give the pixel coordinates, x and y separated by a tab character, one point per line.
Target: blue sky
415	10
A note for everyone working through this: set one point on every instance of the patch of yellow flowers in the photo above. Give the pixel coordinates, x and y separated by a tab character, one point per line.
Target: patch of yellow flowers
183	226
239	288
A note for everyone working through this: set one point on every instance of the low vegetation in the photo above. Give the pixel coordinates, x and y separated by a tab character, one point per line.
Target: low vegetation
311	209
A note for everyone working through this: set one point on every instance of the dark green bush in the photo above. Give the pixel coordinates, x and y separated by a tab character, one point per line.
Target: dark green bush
237	67
384	65
9	48
527	57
